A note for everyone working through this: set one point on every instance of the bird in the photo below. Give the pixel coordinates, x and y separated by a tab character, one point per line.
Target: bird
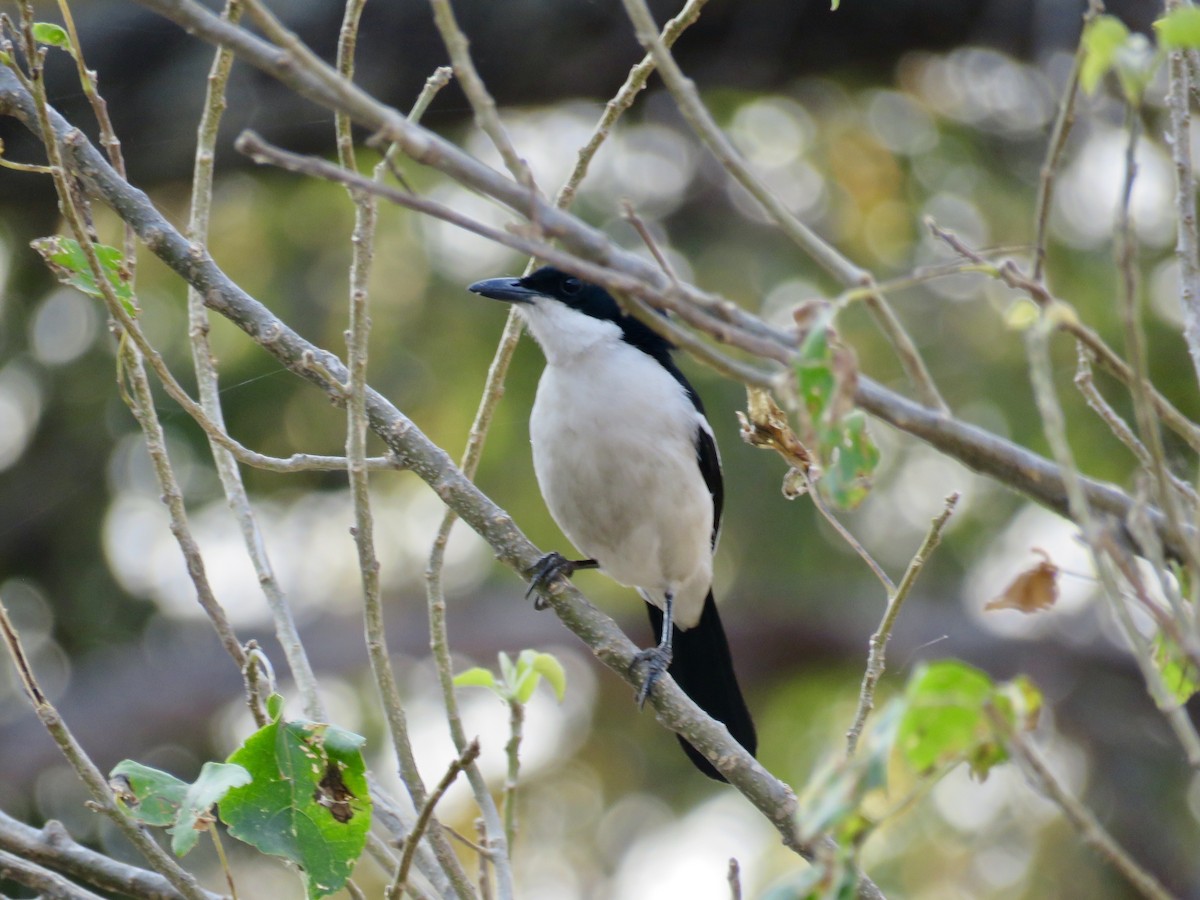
628	466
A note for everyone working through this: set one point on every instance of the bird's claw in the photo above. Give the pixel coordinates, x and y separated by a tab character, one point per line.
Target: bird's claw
657	660
544	572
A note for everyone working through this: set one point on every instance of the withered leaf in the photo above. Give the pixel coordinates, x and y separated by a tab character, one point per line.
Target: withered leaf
1032	591
765	425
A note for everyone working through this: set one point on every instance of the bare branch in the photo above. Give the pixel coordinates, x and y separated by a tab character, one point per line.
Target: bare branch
49	885
1089	828
425	816
482	104
96	784
697	115
1187	244
879	640
52	847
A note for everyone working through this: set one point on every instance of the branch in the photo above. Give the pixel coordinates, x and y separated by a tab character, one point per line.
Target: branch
49	885
51	846
687	99
1187	245
312	79
879	640
982	451
1019	468
95	783
433	465
1089	828
203	362
425	817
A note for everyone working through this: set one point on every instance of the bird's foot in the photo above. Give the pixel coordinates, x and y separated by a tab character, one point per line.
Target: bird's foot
548	569
657	660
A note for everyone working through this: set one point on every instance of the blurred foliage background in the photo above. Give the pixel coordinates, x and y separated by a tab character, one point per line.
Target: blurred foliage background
863	152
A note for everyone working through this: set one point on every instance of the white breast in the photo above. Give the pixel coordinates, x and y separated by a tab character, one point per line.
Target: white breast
614	450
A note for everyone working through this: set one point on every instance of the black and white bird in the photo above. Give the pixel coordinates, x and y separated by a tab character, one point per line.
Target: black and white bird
627	464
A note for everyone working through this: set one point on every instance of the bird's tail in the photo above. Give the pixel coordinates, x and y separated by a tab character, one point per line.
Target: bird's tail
703	669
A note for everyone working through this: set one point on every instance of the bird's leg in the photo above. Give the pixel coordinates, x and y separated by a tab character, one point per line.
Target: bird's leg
550	567
657	659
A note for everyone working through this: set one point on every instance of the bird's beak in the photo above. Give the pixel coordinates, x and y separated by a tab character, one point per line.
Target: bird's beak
507	288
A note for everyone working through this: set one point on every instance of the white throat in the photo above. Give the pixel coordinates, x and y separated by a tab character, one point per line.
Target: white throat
564	333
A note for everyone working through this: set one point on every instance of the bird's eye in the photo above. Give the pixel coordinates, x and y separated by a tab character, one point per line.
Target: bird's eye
571	285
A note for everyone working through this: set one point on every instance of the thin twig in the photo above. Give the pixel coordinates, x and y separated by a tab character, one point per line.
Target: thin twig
208	387
1187	240
1135	344
1054	428
95	782
1119	427
358	333
1054	150
635	82
1066	319
512	753
476	92
141	401
108	135
879	640
734	877
687	99
630	215
425	817
1085	823
492	391
845	533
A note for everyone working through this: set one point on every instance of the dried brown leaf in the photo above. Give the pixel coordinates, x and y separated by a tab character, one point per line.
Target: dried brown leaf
765	425
1032	591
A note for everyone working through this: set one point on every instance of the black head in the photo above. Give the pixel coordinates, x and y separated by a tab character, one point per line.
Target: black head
592	300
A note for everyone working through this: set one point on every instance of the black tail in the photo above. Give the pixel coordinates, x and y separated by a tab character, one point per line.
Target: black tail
703	669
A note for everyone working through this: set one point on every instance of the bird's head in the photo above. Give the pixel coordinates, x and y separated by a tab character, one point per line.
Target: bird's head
568	315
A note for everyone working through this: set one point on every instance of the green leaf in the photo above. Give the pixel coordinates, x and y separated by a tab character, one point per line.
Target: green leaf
527	681
275	704
944	720
947	717
1179	675
1101	39
508	672
66	260
150	795
853	458
826	373
476	677
214	782
308	801
49	33
548	666
1179	29
814	372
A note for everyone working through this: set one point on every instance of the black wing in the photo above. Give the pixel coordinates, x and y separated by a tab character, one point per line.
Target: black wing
710	468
